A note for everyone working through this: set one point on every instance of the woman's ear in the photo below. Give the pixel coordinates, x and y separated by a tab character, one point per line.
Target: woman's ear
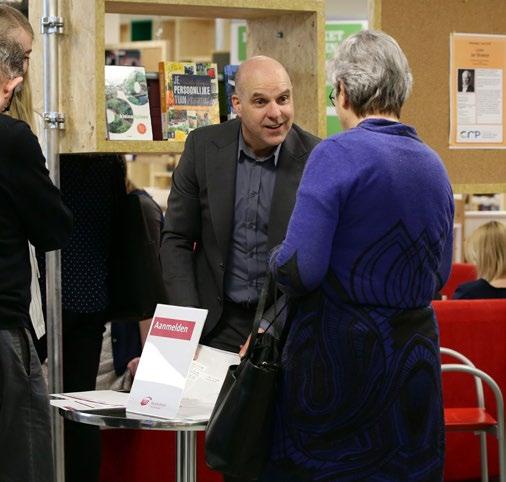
343	95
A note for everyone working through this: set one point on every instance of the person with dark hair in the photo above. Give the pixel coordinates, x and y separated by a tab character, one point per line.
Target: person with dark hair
368	243
31	210
93	186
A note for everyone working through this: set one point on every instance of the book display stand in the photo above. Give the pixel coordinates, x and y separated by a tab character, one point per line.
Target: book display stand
289	30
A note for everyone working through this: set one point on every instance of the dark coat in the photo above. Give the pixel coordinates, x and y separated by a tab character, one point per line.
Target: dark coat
200	212
31	209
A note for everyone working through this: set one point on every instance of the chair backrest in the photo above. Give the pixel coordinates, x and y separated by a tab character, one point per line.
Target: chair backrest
477	329
460	273
449	353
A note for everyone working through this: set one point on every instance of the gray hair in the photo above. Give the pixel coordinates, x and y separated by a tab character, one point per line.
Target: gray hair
374	71
12	58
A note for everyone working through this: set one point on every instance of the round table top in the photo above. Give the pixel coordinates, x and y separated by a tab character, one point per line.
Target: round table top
120	418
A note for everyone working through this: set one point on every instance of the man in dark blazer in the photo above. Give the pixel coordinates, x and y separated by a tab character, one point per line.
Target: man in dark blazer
31	210
231	198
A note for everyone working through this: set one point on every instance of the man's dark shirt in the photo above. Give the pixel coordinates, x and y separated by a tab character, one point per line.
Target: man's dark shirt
247	257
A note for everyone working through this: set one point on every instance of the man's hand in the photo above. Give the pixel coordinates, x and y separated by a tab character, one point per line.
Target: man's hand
132	365
244	348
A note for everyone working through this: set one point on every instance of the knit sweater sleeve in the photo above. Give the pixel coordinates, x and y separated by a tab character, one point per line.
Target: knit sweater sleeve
301	262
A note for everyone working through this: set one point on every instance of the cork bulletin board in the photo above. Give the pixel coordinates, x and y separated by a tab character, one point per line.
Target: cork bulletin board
423	28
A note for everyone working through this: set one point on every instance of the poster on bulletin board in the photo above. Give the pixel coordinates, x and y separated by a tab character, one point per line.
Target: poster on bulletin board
477	86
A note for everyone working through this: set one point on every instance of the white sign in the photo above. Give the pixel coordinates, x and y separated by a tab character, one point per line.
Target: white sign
160	379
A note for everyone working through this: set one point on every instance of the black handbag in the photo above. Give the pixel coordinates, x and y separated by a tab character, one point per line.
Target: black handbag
239	431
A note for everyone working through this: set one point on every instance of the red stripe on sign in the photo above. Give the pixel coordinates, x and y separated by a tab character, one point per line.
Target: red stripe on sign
171	328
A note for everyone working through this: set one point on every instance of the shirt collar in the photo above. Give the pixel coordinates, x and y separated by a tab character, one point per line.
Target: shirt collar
245	150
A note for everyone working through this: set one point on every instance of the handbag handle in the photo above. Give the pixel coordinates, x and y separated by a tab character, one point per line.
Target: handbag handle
260	311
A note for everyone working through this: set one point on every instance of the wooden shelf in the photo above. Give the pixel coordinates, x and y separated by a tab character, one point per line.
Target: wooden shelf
151	147
214	8
289	30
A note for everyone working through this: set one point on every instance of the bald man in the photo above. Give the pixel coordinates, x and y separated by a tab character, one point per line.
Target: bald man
231	198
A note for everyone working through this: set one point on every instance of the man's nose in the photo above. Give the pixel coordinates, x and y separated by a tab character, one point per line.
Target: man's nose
273	110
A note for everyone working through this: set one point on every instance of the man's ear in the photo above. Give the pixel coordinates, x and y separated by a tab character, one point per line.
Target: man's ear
236	104
9	86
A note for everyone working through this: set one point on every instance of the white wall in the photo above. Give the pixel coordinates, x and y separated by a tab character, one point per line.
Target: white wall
346	9
112	28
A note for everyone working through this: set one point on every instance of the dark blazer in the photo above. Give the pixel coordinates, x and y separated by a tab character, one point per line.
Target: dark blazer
31	209
200	212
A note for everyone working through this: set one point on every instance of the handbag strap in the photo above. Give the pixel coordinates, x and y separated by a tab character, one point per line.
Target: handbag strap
260	311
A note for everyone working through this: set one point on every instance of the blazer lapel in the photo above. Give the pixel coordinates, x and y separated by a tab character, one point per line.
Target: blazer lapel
289	171
221	165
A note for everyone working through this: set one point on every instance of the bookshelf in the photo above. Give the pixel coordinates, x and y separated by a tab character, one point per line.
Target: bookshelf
289	30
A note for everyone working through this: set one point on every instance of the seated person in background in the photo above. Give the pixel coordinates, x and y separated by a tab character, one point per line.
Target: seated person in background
486	248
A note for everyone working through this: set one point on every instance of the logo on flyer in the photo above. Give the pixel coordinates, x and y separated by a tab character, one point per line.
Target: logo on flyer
146	400
172	328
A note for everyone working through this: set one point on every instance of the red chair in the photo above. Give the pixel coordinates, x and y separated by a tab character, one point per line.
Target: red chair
476	418
460	273
478	329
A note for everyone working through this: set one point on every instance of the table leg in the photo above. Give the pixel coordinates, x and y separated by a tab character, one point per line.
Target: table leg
186	456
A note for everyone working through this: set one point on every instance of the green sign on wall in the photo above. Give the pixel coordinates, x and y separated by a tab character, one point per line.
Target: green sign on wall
241	40
335	33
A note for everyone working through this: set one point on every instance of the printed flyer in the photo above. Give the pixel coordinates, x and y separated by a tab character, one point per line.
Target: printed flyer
477	85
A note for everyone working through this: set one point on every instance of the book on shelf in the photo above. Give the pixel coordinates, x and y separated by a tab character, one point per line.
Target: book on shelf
154	104
188	97
127	103
229	72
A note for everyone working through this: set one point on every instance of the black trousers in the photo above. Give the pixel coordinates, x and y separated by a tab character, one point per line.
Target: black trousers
82	342
25	430
233	328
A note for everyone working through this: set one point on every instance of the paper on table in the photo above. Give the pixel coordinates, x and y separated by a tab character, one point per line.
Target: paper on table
92	400
70	404
207	373
194	410
108	397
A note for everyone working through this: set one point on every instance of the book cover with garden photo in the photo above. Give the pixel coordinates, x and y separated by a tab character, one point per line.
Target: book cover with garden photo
189	97
126	103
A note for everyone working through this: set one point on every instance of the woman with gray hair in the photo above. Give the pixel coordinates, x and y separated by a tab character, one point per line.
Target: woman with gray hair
369	242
